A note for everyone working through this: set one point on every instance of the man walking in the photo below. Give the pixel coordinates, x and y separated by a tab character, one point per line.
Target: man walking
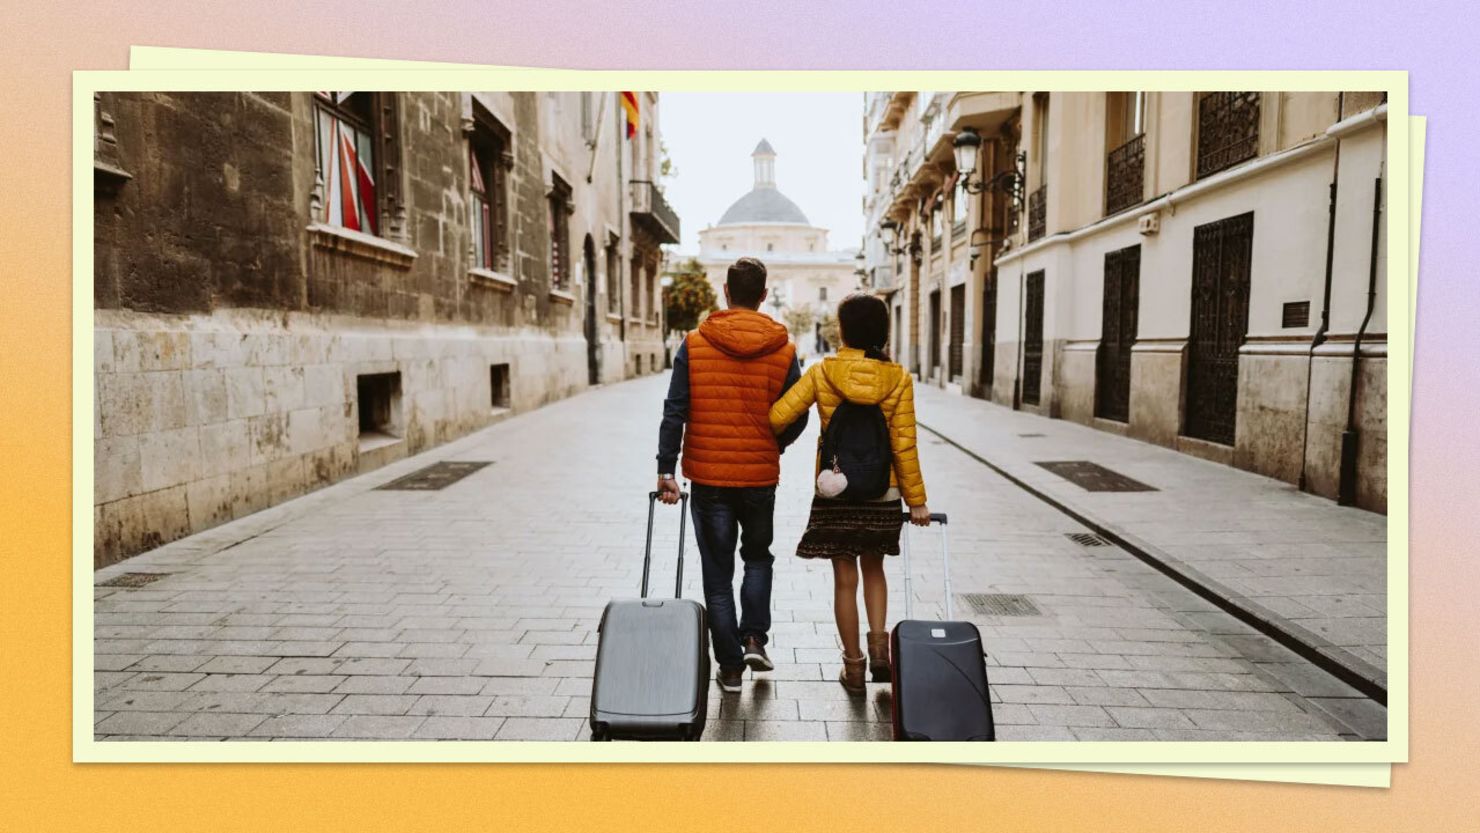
726	376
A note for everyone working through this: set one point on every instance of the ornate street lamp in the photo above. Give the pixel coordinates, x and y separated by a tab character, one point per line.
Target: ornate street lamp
889	230
967	146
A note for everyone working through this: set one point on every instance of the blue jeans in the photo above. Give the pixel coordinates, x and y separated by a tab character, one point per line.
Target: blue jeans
723	515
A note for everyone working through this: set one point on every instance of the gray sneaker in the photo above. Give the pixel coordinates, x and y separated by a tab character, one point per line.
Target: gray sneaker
755	655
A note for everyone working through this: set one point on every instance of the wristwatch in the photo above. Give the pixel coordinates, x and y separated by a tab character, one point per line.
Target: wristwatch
665	477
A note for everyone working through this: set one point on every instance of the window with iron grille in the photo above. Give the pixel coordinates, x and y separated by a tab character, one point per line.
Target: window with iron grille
488	165
989	334
1222	258
1033	339
560	209
1227	130
1038	213
1125	163
1118	321
357	149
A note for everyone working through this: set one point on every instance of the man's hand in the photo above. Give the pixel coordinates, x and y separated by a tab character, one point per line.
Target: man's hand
668	490
920	515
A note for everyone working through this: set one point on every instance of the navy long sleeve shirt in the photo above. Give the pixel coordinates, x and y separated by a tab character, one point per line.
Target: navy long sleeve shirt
676	411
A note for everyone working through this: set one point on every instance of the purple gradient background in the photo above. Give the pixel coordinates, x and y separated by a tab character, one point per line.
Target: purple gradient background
1434	42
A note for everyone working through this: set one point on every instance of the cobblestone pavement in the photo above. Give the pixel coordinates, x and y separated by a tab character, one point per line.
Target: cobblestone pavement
1313	570
470	612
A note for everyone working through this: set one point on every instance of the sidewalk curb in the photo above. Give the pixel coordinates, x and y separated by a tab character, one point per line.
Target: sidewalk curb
1336	661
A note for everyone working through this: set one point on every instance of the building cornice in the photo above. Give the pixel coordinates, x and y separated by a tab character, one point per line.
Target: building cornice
1262	165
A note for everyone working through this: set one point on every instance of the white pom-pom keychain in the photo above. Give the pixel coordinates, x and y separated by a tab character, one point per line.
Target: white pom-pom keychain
831	482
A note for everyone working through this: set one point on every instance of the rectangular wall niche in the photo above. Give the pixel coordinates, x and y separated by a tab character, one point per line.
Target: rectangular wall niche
379	401
498	385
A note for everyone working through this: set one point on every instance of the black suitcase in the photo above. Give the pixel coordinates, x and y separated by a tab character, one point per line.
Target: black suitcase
940	670
652	660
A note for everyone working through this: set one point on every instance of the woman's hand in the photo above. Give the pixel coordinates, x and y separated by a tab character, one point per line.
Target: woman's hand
920	515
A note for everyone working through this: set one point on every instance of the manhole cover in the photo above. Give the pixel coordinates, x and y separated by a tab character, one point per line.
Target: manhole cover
1087	539
1093	477
133	579
1032	435
434	477
1001	604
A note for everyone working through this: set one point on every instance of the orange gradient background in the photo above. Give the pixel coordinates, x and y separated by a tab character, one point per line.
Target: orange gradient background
41	789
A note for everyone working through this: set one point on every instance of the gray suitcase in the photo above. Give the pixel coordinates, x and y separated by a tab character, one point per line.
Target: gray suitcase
652	660
940	671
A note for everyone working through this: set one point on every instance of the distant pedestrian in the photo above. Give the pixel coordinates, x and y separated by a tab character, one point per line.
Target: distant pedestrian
726	376
856	524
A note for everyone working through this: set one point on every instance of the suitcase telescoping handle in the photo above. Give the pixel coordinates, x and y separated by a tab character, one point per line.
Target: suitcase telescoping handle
647	556
945	548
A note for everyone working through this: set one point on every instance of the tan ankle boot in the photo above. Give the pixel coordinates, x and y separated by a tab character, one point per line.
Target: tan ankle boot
878	656
852	674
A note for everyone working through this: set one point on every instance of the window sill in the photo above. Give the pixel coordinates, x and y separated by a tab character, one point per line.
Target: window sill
361	245
560	296
614	318
371	440
491	279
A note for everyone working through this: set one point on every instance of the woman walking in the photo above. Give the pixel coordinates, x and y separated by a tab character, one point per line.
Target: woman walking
856	533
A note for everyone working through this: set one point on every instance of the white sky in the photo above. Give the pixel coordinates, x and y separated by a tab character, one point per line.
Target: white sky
818	139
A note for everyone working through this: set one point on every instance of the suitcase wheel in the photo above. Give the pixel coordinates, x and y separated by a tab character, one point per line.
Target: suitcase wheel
600	735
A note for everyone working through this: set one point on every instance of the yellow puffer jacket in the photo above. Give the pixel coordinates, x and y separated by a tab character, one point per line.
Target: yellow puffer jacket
866	381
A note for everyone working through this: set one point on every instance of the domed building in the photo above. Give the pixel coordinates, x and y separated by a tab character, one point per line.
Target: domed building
764	223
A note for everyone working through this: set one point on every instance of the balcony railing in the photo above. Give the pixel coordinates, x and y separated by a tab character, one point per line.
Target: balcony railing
653	212
1125	175
1227	130
1038	212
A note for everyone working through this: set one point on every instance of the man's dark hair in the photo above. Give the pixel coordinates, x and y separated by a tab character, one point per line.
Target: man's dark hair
864	322
747	281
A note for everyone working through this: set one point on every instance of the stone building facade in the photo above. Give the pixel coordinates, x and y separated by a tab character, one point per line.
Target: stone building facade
294	288
1201	270
802	272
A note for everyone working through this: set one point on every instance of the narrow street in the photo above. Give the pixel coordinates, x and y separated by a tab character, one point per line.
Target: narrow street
470	612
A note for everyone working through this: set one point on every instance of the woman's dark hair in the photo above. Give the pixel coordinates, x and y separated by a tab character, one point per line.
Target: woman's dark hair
864	322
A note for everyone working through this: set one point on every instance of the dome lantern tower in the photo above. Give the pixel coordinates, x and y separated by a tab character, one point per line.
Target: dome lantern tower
765	165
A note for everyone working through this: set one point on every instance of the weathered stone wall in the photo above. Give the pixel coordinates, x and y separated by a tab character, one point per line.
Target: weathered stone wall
206	418
229	333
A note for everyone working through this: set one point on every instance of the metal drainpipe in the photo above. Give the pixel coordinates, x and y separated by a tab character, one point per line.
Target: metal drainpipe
1320	337
1346	493
624	224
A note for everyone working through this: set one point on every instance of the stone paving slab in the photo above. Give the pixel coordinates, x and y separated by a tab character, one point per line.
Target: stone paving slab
1312	569
470	613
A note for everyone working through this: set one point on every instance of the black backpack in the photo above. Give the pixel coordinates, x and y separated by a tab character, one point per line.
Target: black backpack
856	442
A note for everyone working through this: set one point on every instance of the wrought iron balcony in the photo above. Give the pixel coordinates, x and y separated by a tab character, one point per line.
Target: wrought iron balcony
652	212
1125	175
1038	212
1227	130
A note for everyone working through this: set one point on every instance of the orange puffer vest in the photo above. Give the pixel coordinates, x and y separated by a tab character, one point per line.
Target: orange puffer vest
738	360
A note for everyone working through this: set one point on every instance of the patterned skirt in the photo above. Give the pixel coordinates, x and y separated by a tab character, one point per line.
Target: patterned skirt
846	529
